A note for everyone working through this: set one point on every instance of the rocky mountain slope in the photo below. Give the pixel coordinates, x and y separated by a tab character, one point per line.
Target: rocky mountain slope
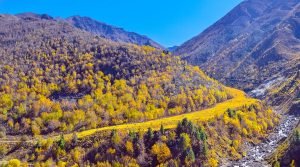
110	32
257	42
255	47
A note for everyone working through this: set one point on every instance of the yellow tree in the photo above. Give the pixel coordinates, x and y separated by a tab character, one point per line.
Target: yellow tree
14	163
6	103
161	151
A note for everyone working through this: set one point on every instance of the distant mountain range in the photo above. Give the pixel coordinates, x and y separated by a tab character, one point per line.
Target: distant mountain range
255	44
173	48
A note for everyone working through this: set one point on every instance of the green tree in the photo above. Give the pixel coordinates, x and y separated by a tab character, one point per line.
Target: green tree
61	142
201	135
115	138
185	141
205	149
297	136
189	156
132	135
162	129
149	135
231	113
182	126
276	164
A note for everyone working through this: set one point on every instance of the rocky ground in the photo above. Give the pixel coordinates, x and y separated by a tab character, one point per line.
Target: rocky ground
256	154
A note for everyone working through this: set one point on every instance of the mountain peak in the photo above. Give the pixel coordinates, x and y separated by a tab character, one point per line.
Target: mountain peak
252	42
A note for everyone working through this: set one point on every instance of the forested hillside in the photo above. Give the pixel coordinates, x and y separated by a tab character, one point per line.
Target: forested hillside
58	80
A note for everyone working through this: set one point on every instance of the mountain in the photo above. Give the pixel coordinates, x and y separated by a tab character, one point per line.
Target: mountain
254	45
70	97
173	48
110	32
46	63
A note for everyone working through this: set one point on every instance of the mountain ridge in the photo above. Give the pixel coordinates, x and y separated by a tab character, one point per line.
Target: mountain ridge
95	27
254	41
110	32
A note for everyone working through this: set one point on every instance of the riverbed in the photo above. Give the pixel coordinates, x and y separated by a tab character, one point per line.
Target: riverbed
256	154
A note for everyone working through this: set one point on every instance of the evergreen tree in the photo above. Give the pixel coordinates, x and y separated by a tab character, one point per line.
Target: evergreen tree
184	122
74	138
231	113
115	138
276	164
189	156
201	135
185	141
292	164
162	129
179	128
297	137
132	135
61	142
205	149
190	128
149	134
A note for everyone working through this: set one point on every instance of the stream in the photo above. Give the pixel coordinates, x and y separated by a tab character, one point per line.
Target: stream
256	154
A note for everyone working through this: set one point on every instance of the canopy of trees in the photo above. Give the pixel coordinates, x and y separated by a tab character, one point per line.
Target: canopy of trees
61	82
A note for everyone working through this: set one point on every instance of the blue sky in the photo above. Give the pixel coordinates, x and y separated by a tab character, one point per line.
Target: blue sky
169	22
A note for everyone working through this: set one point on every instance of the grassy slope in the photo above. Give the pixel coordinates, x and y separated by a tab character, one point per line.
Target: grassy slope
239	100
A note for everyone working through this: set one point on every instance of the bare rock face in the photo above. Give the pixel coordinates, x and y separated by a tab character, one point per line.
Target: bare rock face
258	41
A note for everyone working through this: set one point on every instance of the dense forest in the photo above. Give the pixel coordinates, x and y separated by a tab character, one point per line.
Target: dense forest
189	144
56	79
62	83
